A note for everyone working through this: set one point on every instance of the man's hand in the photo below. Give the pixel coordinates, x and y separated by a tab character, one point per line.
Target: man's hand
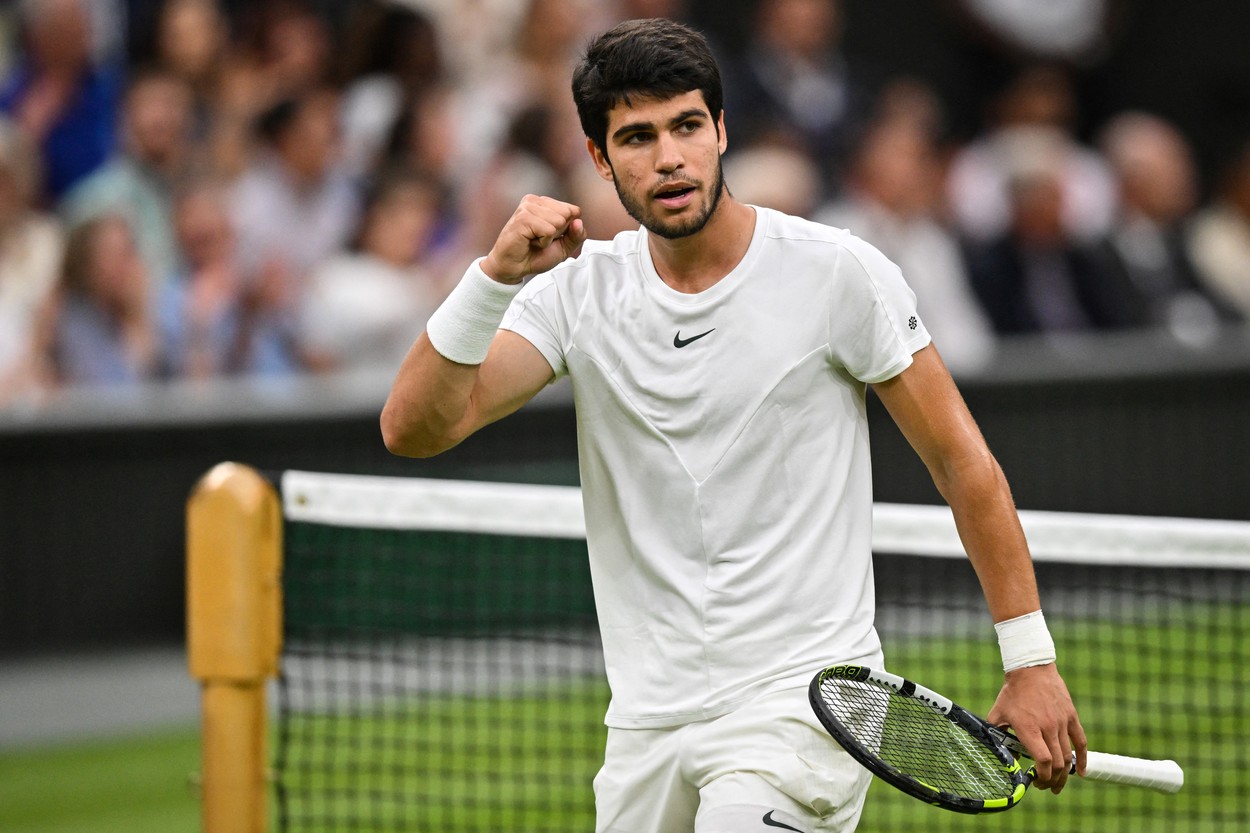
1035	703
541	233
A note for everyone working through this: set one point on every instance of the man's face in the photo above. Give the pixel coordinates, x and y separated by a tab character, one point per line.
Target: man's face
158	114
310	143
664	157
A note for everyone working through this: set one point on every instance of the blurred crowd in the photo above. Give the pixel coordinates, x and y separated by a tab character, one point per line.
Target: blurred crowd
270	189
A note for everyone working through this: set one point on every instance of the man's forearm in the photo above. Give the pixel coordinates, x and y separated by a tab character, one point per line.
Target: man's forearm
428	400
990	530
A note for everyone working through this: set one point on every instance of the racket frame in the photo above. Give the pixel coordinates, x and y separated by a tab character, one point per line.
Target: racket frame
988	735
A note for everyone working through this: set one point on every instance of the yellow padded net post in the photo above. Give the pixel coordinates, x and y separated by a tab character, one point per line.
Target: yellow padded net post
234	611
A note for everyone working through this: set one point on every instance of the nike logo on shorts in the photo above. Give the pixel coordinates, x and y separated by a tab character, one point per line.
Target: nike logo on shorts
772	822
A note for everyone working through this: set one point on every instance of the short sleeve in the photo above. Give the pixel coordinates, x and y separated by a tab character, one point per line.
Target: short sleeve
874	326
535	316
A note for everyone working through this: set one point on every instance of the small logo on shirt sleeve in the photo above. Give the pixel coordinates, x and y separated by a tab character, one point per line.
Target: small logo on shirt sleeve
912	322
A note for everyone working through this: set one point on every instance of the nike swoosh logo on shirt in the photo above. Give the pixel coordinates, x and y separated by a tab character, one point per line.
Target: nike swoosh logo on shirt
771	822
678	341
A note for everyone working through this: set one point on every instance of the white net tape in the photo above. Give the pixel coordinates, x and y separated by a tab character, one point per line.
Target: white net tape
556	512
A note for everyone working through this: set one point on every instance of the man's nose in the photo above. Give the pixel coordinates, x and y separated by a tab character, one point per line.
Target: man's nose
668	156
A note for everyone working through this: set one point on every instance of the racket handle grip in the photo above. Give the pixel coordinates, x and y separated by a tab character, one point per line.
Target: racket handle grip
1163	776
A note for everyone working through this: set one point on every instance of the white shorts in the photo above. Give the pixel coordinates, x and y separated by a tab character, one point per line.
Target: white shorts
769	765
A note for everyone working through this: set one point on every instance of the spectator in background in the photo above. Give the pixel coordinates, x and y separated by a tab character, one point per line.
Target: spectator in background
1220	238
60	99
139	183
526	164
1145	257
31	247
282	52
292	209
533	73
794	85
775	176
207	327
103	332
425	135
192	38
290	40
1034	278
424	140
393	59
364	307
892	200
295	206
473	35
1038	106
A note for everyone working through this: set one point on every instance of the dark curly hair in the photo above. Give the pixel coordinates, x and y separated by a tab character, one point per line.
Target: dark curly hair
655	58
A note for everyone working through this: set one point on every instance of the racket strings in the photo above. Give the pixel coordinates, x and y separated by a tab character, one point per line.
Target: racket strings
916	741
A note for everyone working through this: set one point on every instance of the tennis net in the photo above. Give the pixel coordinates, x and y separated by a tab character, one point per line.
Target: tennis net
441	665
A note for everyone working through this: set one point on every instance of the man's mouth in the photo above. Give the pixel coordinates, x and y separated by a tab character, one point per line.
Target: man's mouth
675	196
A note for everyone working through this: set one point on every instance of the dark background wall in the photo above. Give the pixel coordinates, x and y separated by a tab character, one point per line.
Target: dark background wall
92	492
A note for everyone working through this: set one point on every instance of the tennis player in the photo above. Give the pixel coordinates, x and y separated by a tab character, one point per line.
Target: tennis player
720	357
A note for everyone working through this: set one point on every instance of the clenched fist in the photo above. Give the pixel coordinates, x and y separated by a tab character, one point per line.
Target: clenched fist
541	233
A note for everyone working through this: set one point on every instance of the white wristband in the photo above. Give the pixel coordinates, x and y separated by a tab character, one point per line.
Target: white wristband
1025	641
464	325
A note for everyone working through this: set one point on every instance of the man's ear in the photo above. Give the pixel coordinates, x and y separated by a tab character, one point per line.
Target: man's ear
723	139
602	165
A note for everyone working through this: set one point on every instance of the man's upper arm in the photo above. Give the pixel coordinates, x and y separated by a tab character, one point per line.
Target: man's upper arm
512	374
928	409
436	403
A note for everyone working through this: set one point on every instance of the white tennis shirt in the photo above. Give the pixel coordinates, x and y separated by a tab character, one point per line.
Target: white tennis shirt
724	457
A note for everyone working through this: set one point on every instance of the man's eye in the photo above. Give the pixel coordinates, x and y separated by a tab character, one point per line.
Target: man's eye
636	138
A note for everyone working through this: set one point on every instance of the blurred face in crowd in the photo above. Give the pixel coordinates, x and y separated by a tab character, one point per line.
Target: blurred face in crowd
430	142
664	156
310	143
191	37
552	27
158	119
59	35
1041	96
898	168
808	28
1164	184
114	272
202	224
1037	210
1156	170
296	46
420	59
397	227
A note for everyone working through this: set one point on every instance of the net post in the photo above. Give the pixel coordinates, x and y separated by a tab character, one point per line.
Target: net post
234	631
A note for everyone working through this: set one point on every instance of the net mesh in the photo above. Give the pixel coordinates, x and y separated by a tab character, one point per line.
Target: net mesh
435	679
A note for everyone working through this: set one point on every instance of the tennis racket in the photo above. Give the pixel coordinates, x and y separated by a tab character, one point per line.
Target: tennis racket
930	748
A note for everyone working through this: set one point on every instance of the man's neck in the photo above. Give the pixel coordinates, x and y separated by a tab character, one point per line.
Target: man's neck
695	263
